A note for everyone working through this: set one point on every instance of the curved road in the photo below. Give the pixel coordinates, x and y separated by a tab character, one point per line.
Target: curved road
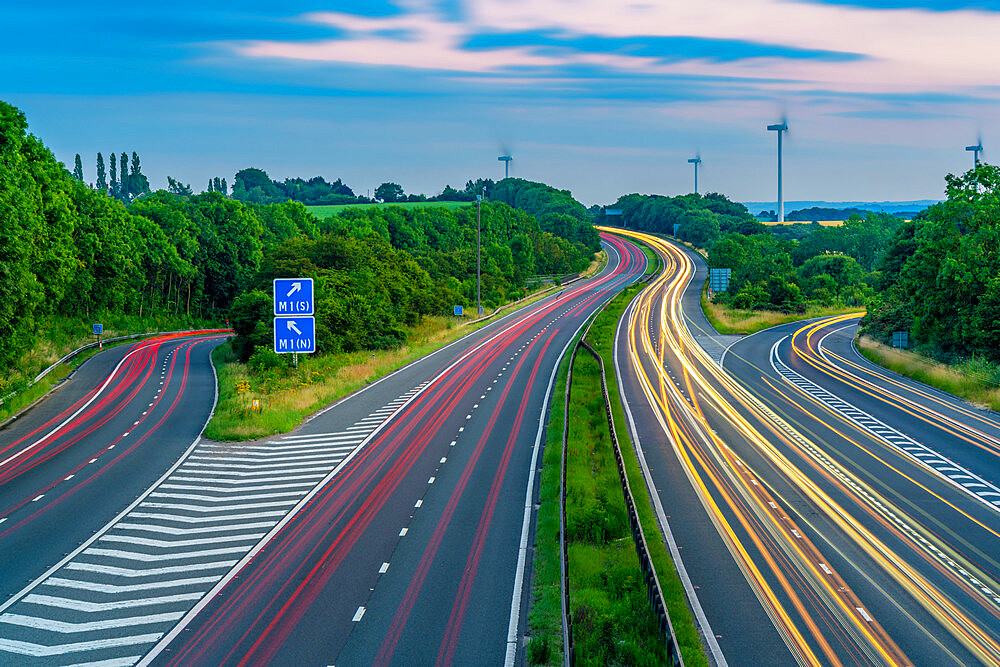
394	527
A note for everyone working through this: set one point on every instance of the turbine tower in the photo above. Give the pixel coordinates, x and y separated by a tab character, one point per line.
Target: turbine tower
976	150
506	164
695	161
779	128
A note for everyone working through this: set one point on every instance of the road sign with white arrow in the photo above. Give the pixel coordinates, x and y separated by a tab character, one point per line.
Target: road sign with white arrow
293	296
294	334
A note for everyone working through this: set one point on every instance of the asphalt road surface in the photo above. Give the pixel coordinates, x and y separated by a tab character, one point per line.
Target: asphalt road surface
818	518
394	527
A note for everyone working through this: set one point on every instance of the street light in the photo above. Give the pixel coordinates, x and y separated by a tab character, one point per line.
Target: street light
779	128
479	208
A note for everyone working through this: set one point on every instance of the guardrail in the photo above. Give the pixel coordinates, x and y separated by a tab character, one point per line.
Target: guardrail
654	592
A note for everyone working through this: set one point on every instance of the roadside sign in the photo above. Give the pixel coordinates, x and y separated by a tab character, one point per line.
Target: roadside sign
458	311
98	329
293	296
901	339
294	334
718	279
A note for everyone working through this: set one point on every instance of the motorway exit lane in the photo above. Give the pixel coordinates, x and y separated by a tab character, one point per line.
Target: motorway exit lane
65	476
409	554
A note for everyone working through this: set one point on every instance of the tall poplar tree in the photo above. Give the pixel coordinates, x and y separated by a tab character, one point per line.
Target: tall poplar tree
138	183
78	168
123	184
102	177
113	184
225	188
210	186
216	184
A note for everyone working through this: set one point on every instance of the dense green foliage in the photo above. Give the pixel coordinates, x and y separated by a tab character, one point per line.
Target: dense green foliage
940	276
70	251
255	186
556	210
700	220
378	269
829	266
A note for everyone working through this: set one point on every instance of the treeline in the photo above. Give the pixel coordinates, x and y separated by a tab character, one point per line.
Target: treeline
125	183
67	250
830	266
699	220
940	276
377	270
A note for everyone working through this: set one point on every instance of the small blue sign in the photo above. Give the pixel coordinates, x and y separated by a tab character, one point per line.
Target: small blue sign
98	329
458	311
294	334
293	296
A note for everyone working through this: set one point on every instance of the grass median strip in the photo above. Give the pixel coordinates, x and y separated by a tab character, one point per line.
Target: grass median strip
612	619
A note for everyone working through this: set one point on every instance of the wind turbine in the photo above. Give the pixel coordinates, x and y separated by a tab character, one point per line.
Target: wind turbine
780	128
696	160
506	164
976	150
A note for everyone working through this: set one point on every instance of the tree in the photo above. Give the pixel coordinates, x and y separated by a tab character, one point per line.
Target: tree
138	183
178	188
211	187
216	185
225	188
389	192
78	168
123	189
113	185
102	183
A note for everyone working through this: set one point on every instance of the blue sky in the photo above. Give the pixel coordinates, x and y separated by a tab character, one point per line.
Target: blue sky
607	98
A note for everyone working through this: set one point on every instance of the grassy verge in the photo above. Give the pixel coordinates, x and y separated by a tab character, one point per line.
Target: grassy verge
287	395
62	336
734	321
967	380
601	337
612	620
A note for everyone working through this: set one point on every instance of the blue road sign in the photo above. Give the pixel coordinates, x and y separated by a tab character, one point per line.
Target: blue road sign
458	311
98	329
294	334
293	296
718	279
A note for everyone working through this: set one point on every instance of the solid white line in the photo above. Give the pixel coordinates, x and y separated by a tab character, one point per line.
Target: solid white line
529	504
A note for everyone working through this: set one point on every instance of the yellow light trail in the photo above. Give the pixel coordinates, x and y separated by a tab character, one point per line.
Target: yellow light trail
718	475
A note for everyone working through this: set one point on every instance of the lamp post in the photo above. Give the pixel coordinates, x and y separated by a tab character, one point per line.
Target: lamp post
479	209
779	128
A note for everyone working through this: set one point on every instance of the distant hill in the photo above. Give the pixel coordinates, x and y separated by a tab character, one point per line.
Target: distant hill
912	206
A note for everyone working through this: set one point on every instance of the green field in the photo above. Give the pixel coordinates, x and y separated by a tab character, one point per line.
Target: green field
333	209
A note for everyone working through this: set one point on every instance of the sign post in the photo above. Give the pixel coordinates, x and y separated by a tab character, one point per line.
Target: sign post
294	323
98	330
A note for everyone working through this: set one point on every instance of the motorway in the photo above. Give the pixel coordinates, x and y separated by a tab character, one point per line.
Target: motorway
393	527
811	530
